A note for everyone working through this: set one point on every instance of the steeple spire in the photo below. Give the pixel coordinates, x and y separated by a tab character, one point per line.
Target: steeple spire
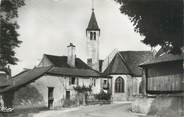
93	25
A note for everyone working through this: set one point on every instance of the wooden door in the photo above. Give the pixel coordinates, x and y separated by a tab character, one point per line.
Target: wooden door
50	97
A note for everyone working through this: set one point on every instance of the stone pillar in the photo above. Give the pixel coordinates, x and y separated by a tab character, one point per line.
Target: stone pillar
144	82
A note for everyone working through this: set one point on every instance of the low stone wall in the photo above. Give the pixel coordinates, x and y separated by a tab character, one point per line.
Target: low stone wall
98	102
166	106
142	105
162	106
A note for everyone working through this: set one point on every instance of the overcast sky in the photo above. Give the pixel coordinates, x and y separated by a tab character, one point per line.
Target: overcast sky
48	26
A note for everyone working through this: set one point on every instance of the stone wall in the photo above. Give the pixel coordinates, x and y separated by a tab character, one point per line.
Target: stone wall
142	105
162	106
36	93
131	87
120	96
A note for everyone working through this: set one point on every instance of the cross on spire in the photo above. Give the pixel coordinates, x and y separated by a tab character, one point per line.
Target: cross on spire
92	5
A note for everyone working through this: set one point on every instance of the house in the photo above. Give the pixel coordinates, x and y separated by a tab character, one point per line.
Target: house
163	81
123	66
52	83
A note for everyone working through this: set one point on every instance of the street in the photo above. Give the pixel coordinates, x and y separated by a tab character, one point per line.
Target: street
112	110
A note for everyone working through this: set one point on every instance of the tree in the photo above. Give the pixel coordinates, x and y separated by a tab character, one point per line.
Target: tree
8	31
160	21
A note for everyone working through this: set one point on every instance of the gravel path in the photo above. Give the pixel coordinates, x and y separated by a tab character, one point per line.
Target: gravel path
112	110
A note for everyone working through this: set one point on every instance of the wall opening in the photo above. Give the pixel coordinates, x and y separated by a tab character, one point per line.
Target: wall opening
119	85
50	97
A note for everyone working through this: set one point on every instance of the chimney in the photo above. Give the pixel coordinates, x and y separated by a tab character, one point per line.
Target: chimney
89	62
71	55
154	52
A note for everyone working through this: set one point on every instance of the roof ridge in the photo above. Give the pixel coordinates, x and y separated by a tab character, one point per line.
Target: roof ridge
108	67
59	56
55	55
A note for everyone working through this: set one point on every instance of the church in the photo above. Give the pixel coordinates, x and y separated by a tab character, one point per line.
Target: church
122	66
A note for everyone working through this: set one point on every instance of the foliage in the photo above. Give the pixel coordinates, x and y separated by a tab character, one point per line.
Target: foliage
83	89
22	97
160	21
103	95
8	30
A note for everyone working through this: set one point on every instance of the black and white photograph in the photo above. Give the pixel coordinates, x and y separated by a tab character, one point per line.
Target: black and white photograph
91	58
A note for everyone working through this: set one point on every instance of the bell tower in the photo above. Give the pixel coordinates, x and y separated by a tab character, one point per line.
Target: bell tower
93	35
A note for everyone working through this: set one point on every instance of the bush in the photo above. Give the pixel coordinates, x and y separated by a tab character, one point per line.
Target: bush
103	96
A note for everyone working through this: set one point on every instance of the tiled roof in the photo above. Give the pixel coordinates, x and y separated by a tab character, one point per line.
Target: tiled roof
117	66
61	61
60	67
31	75
25	78
127	62
75	72
163	58
93	25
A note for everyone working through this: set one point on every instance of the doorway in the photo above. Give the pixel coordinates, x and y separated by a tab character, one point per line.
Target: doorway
50	97
67	95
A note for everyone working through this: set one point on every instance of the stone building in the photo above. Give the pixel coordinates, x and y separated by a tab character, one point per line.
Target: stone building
51	84
93	36
126	74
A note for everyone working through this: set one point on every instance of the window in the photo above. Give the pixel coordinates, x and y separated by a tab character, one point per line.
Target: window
105	84
50	92
91	35
93	81
94	35
72	81
119	85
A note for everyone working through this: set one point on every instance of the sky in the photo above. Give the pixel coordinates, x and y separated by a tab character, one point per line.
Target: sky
48	26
